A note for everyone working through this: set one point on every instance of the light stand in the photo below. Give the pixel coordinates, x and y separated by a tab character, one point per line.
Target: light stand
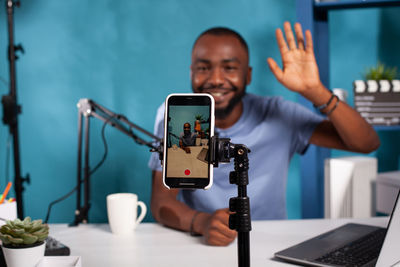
87	109
11	109
222	151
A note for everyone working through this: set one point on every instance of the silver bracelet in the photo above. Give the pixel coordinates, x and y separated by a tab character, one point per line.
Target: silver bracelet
326	104
334	107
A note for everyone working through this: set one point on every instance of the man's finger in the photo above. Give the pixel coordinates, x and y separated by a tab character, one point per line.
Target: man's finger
227	234
278	73
289	36
221	236
299	36
219	240
309	42
281	42
221	226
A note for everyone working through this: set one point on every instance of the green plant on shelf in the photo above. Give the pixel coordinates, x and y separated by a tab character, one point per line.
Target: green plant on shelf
380	72
200	118
19	233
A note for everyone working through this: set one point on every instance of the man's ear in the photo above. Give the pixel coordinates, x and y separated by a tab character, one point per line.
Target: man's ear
191	72
248	75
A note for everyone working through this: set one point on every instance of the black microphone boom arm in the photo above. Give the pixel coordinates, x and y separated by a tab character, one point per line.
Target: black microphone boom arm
88	108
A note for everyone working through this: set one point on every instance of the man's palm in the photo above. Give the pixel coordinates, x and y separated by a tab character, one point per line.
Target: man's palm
300	70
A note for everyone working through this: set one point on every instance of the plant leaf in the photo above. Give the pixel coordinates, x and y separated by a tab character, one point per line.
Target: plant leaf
29	239
14	240
27	220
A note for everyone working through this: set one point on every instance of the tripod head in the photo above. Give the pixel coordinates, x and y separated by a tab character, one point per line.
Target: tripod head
221	150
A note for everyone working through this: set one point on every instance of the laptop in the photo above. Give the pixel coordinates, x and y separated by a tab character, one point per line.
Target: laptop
350	245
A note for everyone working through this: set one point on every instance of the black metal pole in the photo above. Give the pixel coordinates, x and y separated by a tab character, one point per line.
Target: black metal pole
86	177
243	237
79	171
240	205
11	48
81	212
244	249
12	109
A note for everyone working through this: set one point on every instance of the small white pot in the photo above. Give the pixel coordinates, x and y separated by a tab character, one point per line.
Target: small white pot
23	257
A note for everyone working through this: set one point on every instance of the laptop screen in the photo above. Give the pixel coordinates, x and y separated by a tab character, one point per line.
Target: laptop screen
389	255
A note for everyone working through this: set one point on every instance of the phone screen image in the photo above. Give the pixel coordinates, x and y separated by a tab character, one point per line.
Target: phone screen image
188	132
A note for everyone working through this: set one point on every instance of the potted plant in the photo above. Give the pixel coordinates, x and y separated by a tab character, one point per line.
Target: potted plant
380	76
380	72
197	123
23	242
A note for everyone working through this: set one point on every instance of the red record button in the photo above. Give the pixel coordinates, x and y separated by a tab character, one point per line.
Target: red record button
187	172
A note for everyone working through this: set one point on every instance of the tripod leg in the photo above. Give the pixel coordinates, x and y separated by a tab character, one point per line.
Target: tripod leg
244	249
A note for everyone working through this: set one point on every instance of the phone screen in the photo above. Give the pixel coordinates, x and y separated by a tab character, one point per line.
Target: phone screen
189	127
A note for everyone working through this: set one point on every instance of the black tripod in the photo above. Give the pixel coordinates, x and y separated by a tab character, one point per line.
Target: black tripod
11	109
222	151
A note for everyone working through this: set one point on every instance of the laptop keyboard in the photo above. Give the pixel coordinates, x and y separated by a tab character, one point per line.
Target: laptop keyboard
356	253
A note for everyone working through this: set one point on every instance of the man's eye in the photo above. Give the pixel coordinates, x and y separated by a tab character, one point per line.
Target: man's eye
201	68
230	68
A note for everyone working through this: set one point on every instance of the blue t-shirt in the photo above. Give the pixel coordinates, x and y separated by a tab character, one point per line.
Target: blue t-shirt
188	140
273	129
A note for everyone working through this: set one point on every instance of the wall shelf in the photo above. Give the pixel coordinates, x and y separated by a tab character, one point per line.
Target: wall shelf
347	4
313	15
387	128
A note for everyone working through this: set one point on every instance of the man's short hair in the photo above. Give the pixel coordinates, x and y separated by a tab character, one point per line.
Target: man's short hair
220	31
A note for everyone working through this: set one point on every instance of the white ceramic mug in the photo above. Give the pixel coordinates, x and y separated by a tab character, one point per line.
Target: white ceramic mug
122	212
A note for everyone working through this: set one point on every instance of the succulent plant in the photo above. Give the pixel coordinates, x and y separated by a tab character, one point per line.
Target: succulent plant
381	72
19	233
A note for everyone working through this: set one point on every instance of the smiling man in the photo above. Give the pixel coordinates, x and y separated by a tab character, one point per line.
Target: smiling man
220	66
187	138
273	129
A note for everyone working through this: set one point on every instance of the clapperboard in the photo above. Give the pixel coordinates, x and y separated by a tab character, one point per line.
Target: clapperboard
378	102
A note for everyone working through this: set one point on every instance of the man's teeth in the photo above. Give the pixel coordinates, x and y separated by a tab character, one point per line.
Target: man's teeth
217	94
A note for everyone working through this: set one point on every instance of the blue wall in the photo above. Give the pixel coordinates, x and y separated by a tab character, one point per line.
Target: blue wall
360	38
128	56
182	114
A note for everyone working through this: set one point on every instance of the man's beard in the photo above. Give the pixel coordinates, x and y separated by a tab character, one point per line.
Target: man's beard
223	113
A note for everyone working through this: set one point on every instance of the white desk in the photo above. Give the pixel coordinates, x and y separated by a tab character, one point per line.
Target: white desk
154	245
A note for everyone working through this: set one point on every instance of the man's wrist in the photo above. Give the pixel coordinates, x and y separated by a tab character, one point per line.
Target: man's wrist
199	222
318	95
191	230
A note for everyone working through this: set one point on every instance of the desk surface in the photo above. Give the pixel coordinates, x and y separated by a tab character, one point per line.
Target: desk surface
154	245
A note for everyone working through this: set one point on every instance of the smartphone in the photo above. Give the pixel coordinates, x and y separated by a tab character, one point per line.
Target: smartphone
188	128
